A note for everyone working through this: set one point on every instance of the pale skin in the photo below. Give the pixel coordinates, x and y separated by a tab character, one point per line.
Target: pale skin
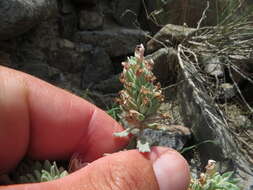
45	122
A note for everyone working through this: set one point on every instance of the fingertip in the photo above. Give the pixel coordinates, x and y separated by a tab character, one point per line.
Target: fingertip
170	168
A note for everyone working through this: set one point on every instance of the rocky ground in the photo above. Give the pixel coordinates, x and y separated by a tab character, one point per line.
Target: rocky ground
79	46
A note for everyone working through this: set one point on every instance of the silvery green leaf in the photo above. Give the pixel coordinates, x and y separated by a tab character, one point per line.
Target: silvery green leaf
53	171
124	133
143	145
135	131
46	176
63	174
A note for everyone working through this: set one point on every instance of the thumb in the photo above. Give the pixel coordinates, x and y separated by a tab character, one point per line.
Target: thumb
163	169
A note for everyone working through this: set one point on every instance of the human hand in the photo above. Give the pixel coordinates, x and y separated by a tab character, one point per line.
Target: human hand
45	122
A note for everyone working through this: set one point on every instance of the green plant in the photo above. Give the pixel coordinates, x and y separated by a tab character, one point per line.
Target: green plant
213	180
35	171
140	99
114	112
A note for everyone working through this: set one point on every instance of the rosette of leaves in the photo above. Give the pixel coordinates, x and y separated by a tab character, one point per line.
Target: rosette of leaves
140	98
35	171
213	180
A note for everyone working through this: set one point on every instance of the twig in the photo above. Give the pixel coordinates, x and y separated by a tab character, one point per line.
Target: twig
203	15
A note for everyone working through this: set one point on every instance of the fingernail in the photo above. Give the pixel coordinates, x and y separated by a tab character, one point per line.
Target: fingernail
170	169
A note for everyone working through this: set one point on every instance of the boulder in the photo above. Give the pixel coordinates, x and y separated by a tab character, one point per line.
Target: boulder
67	19
172	137
116	42
18	16
169	35
69	57
110	85
126	12
90	20
98	69
86	2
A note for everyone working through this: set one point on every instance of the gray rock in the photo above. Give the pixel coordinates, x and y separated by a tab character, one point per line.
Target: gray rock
66	7
18	16
67	19
169	35
228	90
69	57
64	43
99	68
243	121
207	123
126	12
213	66
40	70
89	2
90	20
111	85
173	139
5	59
116	42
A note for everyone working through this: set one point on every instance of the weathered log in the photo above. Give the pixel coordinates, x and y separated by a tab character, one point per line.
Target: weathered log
19	16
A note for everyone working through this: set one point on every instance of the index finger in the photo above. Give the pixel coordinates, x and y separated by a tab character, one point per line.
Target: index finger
59	123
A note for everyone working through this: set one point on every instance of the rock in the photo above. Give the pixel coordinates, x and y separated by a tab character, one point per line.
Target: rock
99	99
206	123
64	43
86	2
162	12
165	61
90	20
169	35
111	85
5	59
68	20
18	16
40	70
228	91
66	7
213	66
70	57
174	139
99	68
242	121
116	42
126	12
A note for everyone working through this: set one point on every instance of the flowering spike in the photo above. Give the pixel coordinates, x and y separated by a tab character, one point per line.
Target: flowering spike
141	97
